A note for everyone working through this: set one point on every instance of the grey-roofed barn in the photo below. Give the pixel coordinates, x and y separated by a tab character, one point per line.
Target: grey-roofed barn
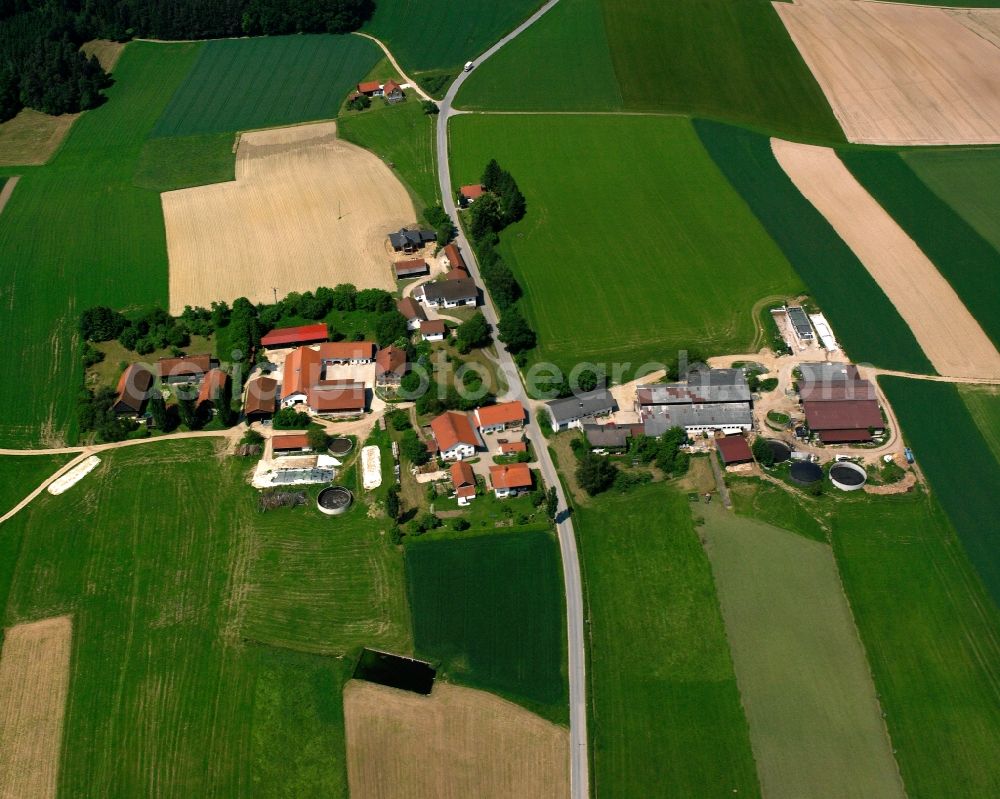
406	240
569	411
449	293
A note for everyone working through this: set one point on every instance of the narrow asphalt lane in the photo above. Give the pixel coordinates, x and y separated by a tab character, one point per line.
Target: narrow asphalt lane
579	775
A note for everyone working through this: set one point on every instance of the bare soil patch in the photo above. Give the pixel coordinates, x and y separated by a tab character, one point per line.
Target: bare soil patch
454	744
32	137
949	335
34	680
899	74
306	209
107	52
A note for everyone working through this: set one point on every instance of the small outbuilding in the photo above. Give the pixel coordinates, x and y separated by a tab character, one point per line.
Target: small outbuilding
413	267
509	480
469	194
734	450
463	481
292	444
433	330
133	390
262	399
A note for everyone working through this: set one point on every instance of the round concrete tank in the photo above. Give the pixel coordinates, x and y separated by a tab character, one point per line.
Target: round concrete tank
848	476
334	500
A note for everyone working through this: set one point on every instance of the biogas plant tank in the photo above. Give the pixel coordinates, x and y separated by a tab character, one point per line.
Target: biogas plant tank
334	500
848	476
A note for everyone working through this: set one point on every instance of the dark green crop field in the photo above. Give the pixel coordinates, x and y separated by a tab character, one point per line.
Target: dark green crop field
962	470
863	319
561	63
634	246
78	232
210	642
665	713
967	180
428	35
932	636
238	84
723	59
490	608
964	258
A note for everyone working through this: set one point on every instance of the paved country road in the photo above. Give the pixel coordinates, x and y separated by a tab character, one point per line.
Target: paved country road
579	777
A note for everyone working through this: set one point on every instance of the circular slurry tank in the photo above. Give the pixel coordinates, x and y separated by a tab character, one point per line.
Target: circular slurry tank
340	446
805	473
781	451
334	500
847	476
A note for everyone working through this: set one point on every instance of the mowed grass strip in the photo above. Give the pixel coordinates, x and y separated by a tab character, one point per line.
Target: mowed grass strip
442	34
77	233
21	474
238	84
180	162
716	58
983	403
864	321
561	63
490	609
163	570
962	470
967	180
964	258
665	716
815	723
932	635
633	246
402	135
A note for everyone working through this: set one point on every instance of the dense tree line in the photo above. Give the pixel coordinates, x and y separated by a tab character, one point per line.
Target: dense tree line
501	205
41	66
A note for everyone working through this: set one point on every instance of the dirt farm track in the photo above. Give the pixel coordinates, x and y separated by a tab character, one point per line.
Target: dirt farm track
34	681
454	744
902	74
306	210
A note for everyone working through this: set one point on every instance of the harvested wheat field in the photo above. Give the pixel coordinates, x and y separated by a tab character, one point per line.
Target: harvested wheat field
34	679
984	22
306	209
952	339
899	74
454	744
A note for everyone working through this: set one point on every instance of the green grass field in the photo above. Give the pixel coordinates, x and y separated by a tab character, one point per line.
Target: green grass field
239	84
633	245
963	257
172	575
962	470
933	640
179	162
561	63
490	608
402	135
864	321
427	35
714	58
967	180
814	720
984	406
665	717
719	59
21	474
78	232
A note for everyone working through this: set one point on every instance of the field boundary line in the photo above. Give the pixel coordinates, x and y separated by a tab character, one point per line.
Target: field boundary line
7	190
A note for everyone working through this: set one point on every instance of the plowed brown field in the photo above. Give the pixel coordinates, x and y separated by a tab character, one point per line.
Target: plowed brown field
306	210
34	680
456	743
899	74
951	338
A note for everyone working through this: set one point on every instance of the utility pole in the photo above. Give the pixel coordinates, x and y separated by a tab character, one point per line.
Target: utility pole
275	290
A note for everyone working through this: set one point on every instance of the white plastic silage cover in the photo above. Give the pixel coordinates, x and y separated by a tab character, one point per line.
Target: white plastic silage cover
371	465
74	475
